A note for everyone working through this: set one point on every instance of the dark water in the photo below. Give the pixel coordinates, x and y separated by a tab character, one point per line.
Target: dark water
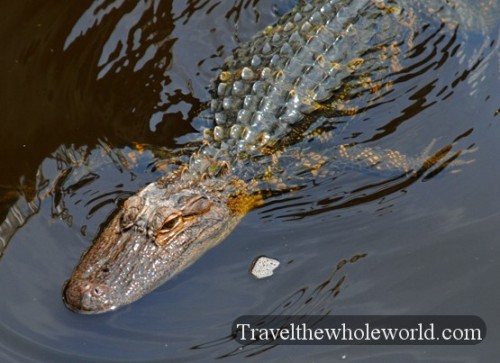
95	96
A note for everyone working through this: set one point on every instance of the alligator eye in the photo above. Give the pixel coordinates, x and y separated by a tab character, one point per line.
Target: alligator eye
171	222
170	227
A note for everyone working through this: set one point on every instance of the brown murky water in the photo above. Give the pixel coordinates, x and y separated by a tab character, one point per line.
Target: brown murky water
94	98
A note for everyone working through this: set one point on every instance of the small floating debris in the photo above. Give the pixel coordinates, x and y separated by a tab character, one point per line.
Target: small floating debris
264	267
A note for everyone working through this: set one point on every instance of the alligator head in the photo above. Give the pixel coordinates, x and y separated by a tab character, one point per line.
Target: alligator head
158	232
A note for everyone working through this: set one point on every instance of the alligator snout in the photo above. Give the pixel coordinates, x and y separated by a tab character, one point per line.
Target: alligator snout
87	296
159	231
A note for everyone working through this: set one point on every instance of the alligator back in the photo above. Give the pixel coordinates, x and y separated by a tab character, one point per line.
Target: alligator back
326	58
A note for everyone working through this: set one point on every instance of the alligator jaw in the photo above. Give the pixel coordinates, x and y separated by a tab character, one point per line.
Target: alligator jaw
159	231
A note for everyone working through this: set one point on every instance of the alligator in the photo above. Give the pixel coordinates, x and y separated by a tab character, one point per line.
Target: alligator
322	61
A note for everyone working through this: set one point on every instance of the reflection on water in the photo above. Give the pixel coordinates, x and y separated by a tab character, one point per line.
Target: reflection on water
316	300
69	179
136	76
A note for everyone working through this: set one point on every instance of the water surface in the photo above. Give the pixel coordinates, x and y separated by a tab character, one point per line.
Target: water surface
96	95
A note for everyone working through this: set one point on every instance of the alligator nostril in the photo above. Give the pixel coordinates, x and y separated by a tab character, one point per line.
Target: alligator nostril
93	290
97	291
85	296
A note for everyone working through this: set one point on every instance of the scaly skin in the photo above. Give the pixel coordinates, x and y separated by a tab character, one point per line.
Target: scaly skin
158	232
323	59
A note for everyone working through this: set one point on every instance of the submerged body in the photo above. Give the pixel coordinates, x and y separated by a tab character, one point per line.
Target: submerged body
323	60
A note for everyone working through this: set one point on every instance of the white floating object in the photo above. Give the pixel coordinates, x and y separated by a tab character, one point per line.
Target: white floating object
264	267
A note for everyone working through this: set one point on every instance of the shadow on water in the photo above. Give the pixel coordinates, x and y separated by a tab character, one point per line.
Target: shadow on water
99	98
